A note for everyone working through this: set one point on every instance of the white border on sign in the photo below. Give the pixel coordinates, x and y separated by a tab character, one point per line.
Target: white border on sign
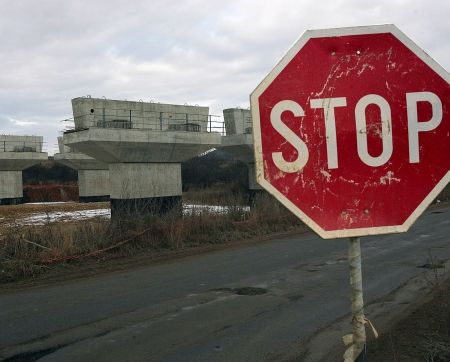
254	103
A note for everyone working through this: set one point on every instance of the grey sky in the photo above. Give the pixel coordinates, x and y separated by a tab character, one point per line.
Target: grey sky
211	53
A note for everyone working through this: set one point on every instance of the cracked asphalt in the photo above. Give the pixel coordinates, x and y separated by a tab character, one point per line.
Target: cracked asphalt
257	303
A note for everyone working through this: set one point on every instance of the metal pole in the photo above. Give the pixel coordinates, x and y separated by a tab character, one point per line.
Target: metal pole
358	319
160	121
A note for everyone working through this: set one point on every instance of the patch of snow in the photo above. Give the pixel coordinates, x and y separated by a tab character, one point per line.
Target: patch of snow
197	209
46	203
64	216
55	216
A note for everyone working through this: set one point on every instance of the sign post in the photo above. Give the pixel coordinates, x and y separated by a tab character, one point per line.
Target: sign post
352	134
358	318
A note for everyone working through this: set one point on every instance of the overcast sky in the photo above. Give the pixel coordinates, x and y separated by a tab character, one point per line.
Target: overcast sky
212	53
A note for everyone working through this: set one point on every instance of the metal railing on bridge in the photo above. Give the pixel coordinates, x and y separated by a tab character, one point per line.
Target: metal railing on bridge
160	121
21	146
131	118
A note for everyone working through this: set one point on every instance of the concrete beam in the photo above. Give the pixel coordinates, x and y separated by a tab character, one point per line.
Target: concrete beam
141	145
18	161
79	161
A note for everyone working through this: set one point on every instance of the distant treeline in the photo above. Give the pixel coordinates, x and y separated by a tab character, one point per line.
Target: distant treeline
49	172
216	167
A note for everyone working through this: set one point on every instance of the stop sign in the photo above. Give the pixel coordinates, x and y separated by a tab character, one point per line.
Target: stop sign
352	130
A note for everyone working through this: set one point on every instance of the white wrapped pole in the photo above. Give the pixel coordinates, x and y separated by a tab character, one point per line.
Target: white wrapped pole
357	340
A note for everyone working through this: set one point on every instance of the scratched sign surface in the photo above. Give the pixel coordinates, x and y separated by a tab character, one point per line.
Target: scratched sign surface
352	130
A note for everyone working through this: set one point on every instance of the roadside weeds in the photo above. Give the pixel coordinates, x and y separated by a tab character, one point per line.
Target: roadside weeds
30	251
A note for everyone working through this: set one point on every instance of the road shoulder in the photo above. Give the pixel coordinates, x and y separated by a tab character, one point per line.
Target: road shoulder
387	314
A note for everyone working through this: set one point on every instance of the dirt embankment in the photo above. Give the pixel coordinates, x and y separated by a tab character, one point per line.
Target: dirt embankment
423	335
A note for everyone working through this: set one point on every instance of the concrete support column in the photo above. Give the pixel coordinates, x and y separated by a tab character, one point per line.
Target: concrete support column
254	189
11	187
252	184
93	185
144	187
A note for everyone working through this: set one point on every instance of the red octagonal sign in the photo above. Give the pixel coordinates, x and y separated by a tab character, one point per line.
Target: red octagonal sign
352	130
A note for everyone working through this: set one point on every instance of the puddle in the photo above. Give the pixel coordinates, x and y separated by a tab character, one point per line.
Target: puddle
249	291
432	266
295	297
243	290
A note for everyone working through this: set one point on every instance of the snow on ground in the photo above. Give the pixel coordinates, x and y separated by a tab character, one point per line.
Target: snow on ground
58	216
46	203
196	209
54	216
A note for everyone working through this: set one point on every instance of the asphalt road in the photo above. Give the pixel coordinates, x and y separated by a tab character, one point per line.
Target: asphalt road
192	309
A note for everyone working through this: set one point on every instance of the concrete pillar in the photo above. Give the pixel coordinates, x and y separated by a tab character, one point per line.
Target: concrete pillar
237	121
11	188
93	175
239	142
144	187
254	189
16	154
144	145
252	184
93	185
